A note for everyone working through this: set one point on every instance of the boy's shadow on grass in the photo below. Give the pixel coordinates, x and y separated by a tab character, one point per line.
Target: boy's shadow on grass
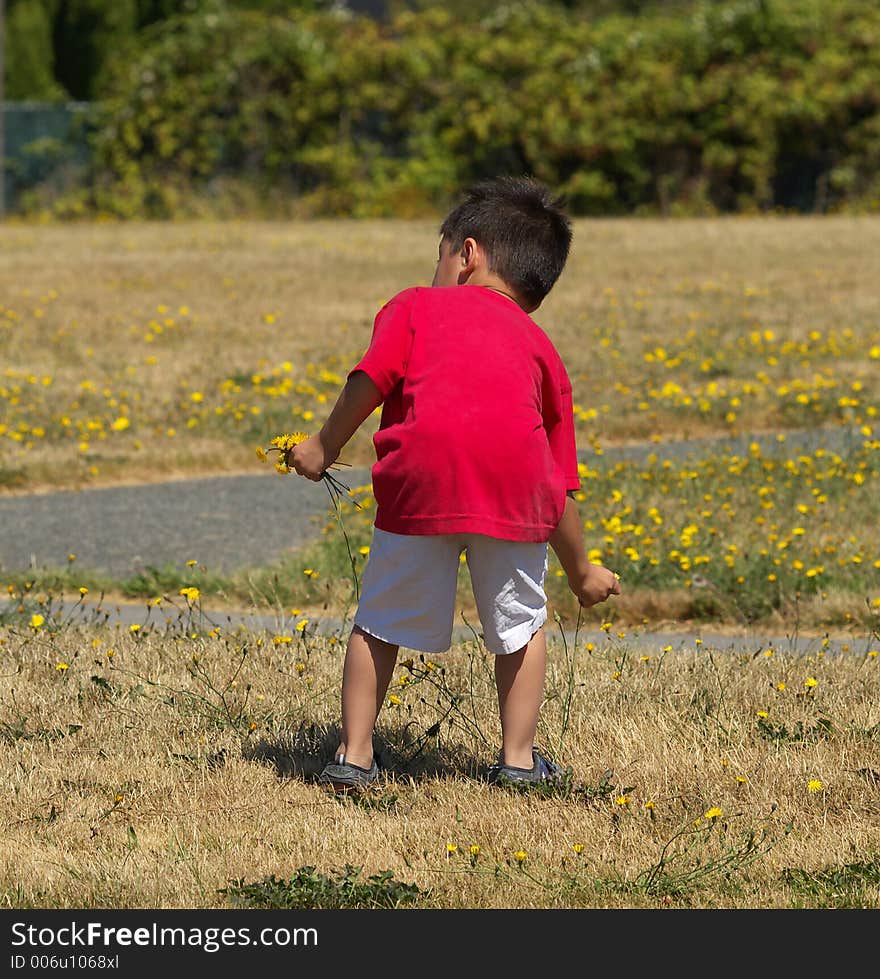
303	753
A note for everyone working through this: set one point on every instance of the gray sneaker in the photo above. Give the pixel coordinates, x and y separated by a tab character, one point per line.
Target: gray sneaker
543	771
342	776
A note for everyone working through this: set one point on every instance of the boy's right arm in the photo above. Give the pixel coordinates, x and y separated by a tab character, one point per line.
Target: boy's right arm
591	583
358	399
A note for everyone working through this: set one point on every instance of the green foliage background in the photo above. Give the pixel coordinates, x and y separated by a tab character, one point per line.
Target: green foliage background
300	109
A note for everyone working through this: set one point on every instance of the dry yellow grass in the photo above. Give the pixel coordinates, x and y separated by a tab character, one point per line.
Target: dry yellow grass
156	775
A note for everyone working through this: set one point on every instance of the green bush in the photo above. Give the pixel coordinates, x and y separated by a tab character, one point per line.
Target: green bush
727	107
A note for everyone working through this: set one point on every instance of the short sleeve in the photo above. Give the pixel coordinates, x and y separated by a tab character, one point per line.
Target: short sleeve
388	354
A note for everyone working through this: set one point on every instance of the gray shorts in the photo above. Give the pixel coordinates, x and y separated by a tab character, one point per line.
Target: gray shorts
409	585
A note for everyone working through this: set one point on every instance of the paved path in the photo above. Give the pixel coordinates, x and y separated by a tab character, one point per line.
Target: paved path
226	523
169	618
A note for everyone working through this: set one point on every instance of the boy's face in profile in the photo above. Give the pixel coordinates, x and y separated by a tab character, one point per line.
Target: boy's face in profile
448	266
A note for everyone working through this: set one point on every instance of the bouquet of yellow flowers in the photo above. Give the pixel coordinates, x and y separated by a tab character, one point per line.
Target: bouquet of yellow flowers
283	445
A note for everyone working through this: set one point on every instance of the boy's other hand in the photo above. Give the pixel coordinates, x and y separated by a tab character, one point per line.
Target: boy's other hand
596	585
310	458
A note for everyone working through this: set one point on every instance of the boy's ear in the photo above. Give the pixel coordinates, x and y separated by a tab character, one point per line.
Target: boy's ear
470	256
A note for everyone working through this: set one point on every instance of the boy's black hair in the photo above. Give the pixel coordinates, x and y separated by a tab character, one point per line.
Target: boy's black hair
521	226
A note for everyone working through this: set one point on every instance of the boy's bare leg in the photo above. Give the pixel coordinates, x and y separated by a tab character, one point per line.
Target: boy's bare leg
519	678
369	665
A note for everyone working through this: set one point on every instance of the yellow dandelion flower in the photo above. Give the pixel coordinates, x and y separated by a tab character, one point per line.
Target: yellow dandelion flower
780	686
300	667
71	558
650	806
83	591
394	700
814	785
281	640
475	850
712	813
134	627
310	572
301	625
615	675
762	714
741	779
811	682
578	848
872	654
192	562
62	667
451	847
520	856
261	453
623	800
37	620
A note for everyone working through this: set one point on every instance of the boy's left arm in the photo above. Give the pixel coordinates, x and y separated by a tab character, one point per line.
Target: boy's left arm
591	583
358	399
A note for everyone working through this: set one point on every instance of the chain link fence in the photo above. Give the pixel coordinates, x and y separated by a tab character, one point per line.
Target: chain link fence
45	148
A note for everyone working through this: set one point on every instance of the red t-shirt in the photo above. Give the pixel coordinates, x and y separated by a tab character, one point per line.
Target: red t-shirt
477	427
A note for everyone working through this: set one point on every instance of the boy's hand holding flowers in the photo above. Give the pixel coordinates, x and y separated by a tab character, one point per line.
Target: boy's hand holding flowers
307	456
594	585
311	458
283	445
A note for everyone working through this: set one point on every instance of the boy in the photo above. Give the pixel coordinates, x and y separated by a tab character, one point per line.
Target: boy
475	453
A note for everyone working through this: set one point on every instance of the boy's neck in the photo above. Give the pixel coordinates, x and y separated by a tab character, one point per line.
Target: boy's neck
496	284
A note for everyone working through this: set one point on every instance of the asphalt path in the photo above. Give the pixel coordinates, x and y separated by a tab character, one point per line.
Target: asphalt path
230	523
226	523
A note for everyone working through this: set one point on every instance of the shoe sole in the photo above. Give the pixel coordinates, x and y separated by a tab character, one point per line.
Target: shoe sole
345	788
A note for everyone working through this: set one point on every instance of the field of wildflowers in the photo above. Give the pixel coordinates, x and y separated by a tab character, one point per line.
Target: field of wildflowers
134	353
173	766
